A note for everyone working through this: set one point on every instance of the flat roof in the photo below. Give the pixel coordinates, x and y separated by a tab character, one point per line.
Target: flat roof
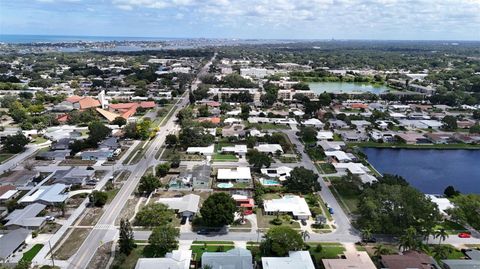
234	173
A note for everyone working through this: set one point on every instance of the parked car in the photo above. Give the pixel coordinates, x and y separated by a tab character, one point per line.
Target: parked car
203	232
184	220
330	210
190	218
50	218
369	240
464	235
304	222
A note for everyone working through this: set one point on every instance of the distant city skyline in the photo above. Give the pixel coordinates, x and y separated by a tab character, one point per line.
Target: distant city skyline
260	19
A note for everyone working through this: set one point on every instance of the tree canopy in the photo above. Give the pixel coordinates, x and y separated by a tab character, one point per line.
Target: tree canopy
15	143
258	159
154	215
218	210
148	184
302	180
278	241
162	240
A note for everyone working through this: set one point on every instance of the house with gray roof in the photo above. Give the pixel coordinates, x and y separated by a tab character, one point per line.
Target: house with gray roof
54	155
295	259
97	155
22	179
26	217
237	258
73	176
472	263
48	195
11	242
186	205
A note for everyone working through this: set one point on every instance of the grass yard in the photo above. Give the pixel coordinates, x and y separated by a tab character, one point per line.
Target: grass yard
326	168
347	194
213	242
40	140
5	156
198	250
451	227
129	261
266	221
29	255
328	251
219	157
268	126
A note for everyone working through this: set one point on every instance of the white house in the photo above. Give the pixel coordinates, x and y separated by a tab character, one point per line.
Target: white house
295	259
324	135
236	149
269	148
281	172
207	151
442	203
177	259
338	156
290	204
313	123
186	205
234	174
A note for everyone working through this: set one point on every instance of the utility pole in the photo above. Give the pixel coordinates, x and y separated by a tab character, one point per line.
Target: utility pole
51	253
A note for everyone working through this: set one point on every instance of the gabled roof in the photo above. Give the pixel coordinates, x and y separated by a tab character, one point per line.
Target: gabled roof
73	99
186	203
11	241
49	194
26	217
237	258
110	116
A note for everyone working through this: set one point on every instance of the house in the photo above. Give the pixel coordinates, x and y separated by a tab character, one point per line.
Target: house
206	151
7	192
353	168
237	258
245	202
331	145
110	143
73	176
177	259
352	260
324	135
442	203
269	148
97	155
239	150
48	195
256	133
54	155
411	138
439	138
290	204
316	123
337	124
295	259
235	130
231	121
26	217
337	156
234	174
22	179
354	136
408	260
186	205
281	172
472	263
61	144
11	242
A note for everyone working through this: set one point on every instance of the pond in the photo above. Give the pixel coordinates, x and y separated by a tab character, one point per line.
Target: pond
347	87
430	171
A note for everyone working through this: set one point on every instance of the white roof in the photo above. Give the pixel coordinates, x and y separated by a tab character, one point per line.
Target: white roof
201	150
324	135
236	149
313	121
234	173
354	168
232	120
186	203
269	148
177	259
9	194
288	203
442	203
339	155
281	172
296	259
234	112
255	132
366	178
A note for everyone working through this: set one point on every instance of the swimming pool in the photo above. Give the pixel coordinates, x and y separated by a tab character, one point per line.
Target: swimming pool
269	182
225	185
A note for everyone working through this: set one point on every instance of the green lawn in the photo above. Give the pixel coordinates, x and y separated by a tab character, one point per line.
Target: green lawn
219	157
212	242
265	221
40	140
29	255
5	156
327	168
451	227
329	251
199	250
347	194
129	261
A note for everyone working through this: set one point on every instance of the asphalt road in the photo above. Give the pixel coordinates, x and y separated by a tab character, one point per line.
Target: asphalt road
105	230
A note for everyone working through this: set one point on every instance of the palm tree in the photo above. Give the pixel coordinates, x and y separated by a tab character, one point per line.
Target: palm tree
380	250
441	252
409	241
366	234
441	234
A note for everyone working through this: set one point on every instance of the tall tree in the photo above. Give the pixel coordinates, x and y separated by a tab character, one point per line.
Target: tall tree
126	242
302	180
148	184
258	159
154	215
278	241
15	143
218	210
162	240
441	234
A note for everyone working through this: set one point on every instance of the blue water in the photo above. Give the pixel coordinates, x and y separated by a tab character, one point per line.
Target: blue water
430	171
66	39
269	182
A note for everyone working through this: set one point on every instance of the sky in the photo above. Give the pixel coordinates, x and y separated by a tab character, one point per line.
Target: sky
262	19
